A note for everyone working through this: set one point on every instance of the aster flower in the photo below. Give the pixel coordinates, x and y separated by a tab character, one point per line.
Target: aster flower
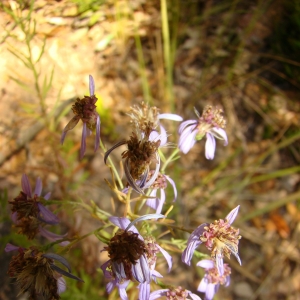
211	124
85	110
29	214
219	237
160	184
37	273
132	258
212	279
175	293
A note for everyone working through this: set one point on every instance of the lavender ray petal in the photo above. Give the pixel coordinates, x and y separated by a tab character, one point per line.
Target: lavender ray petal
144	291
192	243
161	201
210	146
202	287
38	187
73	122
172	117
173	185
63	136
26	185
220	134
122	290
50	235
97	138
143	218
206	264
83	140
47	196
232	215
91	85
46	215
210	291
157	294
185	124
167	256
220	264
141	271
110	286
106	273
14	217
152	202
10	247
61	285
194	296
187	140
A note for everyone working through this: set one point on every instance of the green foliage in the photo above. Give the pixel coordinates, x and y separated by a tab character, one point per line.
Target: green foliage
88	5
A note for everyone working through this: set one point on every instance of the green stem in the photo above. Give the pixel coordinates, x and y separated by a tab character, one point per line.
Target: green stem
170	159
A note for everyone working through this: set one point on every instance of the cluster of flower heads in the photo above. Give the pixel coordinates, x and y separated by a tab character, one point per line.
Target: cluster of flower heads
132	257
35	271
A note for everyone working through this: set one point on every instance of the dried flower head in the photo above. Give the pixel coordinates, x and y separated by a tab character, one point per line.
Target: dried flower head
37	274
28	212
144	117
211	124
132	258
85	110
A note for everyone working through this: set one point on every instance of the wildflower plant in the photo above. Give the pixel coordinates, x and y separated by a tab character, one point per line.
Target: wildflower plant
137	259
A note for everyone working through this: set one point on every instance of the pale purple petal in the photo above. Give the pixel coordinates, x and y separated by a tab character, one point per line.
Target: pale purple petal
161	201
26	185
203	285
210	291
50	235
206	264
227	281
97	138
122	289
38	187
122	223
187	140
61	285
232	215
152	202
157	294
14	217
144	291
185	124
192	244
47	196
220	264
107	274
46	215
91	85
194	296
140	270
172	117
155	274
10	247
221	134
63	136
145	217
173	185
154	136
110	286
163	136
83	140
167	256
210	146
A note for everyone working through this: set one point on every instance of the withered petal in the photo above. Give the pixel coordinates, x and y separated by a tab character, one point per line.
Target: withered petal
113	148
65	273
59	258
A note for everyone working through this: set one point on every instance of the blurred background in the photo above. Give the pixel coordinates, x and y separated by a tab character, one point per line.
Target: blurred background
242	56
